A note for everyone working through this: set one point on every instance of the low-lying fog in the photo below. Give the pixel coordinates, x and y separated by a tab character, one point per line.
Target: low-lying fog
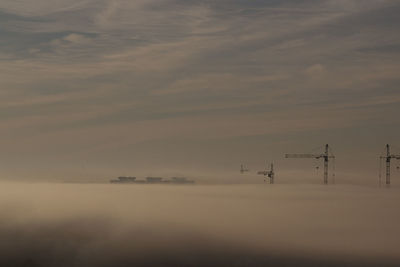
198	225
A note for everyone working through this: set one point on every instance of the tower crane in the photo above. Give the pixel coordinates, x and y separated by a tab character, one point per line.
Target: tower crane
387	158
326	156
269	173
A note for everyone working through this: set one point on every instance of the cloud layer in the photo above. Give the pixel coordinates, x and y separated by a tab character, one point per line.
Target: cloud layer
124	225
119	73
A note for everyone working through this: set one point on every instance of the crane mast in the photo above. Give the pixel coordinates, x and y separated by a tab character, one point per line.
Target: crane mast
324	155
326	159
270	174
388	158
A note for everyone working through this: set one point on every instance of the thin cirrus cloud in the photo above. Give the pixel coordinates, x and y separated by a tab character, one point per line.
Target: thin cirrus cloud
81	66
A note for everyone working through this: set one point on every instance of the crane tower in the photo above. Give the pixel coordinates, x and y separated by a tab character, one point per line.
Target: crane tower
387	158
326	156
269	173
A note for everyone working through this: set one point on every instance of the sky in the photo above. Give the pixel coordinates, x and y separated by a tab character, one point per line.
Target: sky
96	88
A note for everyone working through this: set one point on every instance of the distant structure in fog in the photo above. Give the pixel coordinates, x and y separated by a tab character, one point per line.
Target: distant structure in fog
269	173
180	180
151	180
124	179
387	158
154	180
326	156
243	169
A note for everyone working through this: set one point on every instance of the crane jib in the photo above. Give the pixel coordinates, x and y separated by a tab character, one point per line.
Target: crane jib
326	156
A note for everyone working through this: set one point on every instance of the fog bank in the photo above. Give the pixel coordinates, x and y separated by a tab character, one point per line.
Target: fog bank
225	225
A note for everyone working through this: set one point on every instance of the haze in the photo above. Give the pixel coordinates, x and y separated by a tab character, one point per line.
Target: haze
91	90
226	225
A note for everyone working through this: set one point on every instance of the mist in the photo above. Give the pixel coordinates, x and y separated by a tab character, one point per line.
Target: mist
45	224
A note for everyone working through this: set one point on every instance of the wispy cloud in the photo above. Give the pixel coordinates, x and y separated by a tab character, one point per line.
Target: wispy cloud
98	66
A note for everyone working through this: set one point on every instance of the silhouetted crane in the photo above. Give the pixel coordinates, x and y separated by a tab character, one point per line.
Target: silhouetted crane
325	156
387	158
269	173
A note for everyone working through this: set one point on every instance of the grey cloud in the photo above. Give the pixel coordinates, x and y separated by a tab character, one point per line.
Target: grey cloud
71	65
90	242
